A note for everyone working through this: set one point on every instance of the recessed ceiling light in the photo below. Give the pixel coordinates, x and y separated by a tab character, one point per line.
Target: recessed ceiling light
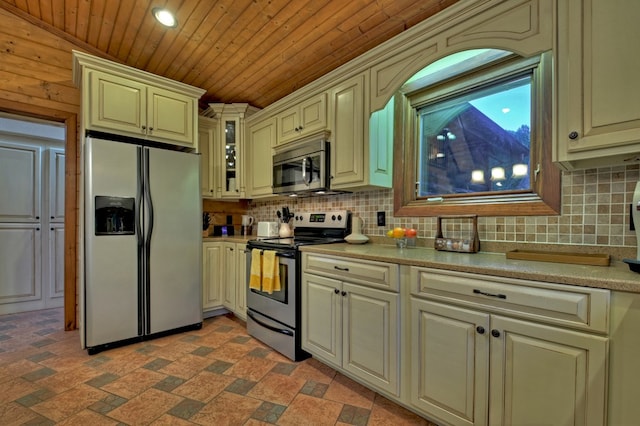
165	17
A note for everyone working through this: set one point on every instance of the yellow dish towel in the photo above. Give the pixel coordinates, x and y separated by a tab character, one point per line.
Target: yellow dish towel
270	272
255	279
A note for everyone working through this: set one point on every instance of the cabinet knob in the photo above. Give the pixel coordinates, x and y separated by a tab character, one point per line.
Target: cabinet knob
336	291
52	217
344	293
37	229
495	333
144	128
52	229
150	129
480	329
573	135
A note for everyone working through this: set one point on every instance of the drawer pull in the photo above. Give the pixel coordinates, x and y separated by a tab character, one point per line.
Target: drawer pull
484	293
341	269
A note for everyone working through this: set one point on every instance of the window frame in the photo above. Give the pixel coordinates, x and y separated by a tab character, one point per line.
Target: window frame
544	197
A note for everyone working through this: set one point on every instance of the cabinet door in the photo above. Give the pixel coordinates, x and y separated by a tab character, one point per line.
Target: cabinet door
322	318
212	261
20	266
241	281
288	125
546	375
55	194
262	138
229	276
302	119
598	83
206	146
449	362
370	327
54	290
20	201
347	133
230	159
170	116
116	104
313	115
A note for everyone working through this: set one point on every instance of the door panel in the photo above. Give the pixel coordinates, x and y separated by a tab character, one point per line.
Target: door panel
20	165
111	265
449	362
527	357
176	244
322	317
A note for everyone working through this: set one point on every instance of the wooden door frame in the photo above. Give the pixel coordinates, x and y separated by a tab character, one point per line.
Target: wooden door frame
71	211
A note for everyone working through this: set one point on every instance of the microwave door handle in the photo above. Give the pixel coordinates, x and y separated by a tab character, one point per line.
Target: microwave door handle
306	177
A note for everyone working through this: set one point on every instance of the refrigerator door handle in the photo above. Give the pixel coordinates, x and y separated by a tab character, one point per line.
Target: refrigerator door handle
140	240
147	238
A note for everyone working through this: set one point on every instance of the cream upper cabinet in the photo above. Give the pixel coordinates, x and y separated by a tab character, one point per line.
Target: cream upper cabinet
302	119
474	336
130	102
207	133
358	161
598	83
230	149
262	139
351	326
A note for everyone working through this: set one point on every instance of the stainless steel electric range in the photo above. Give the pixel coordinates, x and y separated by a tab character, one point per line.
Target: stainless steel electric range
275	318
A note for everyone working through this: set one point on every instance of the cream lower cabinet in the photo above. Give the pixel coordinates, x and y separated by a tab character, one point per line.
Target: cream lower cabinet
352	327
474	364
212	264
234	278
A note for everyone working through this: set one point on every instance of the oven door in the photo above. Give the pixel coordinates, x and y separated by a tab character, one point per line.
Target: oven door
280	305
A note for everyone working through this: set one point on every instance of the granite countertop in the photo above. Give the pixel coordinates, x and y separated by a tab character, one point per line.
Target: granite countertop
616	276
230	239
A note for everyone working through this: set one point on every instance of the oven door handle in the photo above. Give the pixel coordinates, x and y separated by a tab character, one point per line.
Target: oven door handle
270	327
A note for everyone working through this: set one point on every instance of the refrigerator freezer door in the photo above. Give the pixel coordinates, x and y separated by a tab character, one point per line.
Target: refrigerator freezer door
111	309
175	255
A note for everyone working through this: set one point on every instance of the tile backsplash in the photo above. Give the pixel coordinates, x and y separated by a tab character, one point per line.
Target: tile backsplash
595	212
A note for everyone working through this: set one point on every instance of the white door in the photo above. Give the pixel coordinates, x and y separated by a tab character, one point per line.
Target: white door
20	228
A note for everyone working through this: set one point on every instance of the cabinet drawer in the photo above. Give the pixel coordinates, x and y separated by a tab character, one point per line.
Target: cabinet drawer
369	273
577	307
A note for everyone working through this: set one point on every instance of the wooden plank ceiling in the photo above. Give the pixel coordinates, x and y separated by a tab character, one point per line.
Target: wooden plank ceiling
255	51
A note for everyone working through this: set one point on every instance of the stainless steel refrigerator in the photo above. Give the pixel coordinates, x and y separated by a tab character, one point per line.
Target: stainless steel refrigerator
142	243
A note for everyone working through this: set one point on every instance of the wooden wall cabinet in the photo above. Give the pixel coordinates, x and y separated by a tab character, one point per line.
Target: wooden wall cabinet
207	134
129	102
304	118
262	139
598	84
229	155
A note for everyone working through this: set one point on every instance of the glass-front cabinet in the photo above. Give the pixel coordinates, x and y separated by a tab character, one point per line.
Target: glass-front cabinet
229	150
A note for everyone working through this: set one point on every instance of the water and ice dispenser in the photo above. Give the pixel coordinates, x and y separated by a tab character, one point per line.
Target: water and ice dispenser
114	216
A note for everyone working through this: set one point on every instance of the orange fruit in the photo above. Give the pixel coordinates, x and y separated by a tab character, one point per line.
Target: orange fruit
411	233
398	232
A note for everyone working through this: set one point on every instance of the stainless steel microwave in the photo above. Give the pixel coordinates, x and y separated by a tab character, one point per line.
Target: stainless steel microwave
301	167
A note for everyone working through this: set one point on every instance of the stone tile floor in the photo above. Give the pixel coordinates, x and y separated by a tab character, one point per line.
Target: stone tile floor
218	375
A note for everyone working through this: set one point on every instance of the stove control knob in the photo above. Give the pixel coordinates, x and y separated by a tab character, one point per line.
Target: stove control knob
339	217
333	217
